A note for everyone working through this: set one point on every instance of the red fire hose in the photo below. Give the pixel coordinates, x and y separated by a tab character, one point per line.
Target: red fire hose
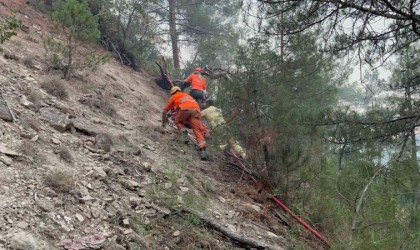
278	202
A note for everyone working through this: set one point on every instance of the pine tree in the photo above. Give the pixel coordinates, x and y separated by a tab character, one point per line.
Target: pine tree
279	106
128	30
79	27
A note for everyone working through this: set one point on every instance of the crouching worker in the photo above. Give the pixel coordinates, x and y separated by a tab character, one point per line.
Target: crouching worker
187	111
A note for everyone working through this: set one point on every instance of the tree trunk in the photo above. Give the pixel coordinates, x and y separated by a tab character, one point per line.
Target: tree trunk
358	205
173	32
67	68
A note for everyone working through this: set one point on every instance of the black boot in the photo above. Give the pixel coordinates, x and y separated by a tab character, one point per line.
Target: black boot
203	154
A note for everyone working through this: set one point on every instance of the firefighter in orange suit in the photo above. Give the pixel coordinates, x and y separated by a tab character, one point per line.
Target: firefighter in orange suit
198	86
187	110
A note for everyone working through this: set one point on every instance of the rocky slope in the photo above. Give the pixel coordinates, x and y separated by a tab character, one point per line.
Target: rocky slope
85	165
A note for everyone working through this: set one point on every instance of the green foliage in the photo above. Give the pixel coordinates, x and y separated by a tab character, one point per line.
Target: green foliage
42	5
79	27
8	28
378	175
210	28
139	226
280	100
127	30
165	191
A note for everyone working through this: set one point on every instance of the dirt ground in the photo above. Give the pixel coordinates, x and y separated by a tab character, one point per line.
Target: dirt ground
113	179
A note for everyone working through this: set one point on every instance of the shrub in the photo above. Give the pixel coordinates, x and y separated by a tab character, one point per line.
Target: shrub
65	154
41	5
100	104
55	87
8	28
29	62
79	27
35	97
60	181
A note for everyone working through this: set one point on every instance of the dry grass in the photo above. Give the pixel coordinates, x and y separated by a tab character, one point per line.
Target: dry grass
29	61
56	87
99	104
29	149
31	39
65	155
35	97
60	181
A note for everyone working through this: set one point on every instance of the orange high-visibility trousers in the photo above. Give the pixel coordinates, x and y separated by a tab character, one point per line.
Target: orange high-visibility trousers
193	117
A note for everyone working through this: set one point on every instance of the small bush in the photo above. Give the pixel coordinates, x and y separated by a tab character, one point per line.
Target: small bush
65	155
41	5
60	181
80	28
31	39
28	149
99	104
55	87
29	62
8	28
208	187
35	97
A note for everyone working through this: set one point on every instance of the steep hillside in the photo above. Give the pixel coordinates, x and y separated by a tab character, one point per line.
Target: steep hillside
96	170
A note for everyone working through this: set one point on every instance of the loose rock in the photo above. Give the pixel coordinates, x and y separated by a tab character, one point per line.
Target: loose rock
55	141
103	142
221	199
22	225
79	217
99	172
130	185
35	138
184	189
6	151
135	201
56	119
24	101
4	113
23	241
45	205
6	160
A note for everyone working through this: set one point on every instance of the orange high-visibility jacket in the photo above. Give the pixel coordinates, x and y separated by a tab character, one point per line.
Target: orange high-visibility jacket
197	81
180	100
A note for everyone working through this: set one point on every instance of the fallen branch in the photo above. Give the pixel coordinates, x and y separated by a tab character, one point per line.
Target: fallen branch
8	107
217	73
241	240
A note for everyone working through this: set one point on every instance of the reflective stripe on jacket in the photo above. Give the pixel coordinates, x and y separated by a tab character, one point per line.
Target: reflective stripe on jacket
180	100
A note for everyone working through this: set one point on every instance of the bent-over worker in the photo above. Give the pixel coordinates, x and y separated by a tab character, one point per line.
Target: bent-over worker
188	111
